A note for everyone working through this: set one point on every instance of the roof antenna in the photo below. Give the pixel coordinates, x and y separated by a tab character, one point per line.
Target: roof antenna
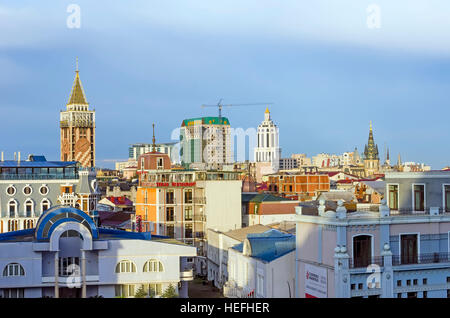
153	140
77	65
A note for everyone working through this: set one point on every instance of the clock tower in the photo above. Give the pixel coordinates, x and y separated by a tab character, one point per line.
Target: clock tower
77	125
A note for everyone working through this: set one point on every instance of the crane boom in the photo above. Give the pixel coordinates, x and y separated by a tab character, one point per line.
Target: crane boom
220	105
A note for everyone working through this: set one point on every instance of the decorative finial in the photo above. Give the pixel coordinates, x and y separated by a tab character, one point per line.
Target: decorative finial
77	65
267	110
370	125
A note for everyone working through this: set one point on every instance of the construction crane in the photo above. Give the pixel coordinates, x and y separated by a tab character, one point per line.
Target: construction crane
220	105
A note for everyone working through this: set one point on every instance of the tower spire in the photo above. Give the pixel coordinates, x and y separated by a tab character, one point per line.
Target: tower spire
77	95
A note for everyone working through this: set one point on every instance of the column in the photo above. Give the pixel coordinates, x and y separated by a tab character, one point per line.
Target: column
56	261
83	274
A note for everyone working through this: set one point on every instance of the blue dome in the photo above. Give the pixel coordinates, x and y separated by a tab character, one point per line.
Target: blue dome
57	215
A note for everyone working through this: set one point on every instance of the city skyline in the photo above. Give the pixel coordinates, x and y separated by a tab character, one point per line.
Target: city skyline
340	84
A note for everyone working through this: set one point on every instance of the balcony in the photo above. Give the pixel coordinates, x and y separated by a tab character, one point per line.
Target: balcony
429	258
362	262
187	275
33	176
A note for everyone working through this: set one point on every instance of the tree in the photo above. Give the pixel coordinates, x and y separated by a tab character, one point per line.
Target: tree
170	292
141	293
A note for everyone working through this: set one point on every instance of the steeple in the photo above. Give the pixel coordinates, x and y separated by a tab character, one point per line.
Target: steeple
371	149
77	96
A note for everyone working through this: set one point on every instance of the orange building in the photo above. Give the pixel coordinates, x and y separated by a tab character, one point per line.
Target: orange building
298	186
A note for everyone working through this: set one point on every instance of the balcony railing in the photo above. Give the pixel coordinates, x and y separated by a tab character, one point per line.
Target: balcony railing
364	262
429	258
32	176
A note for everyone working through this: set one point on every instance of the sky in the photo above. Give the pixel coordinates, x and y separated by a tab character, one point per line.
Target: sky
325	68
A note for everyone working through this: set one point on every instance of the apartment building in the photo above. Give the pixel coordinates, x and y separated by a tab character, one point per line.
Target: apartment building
297	185
400	251
30	187
67	255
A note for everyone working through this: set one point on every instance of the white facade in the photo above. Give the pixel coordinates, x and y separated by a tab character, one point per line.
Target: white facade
74	258
268	147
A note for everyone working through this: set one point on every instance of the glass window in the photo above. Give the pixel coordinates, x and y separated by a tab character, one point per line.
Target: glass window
419	194
169	197
447	197
13	269
393	197
188	196
188	213
170	216
188	230
125	267
153	265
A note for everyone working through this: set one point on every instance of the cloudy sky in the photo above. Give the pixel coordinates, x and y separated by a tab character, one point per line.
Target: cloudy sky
326	71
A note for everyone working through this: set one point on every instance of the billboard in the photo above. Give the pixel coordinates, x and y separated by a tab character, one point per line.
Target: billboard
315	281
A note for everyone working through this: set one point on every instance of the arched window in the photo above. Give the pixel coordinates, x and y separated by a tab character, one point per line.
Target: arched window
125	267
12	208
13	269
29	208
45	205
153	265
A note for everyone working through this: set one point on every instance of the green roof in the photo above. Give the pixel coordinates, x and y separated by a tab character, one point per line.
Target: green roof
206	121
261	197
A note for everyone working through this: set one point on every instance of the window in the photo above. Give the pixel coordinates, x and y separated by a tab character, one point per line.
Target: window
188	196
408	248
425	294
160	163
169	197
124	291
448	279
12	208
352	286
412	295
415	282
393	197
153	265
11	190
13	293
125	267
13	269
447	197
188	213
399	295
155	290
69	266
170	232
419	195
45	205
408	282
424	281
188	230
360	286
362	250
43	190
27	190
399	283
170	216
448	293
29	209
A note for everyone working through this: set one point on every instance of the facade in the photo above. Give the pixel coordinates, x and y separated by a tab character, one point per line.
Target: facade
288	164
67	255
399	251
115	204
268	146
183	204
30	187
206	140
218	245
169	148
263	208
263	266
77	125
299	186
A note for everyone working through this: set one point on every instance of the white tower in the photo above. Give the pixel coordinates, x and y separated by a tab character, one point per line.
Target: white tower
268	149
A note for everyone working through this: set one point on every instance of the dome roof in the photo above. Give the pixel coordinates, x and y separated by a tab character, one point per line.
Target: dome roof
57	215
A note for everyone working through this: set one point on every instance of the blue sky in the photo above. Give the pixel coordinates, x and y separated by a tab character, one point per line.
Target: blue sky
158	61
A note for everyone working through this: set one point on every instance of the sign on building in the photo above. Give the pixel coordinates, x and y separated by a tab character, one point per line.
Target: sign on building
315	281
